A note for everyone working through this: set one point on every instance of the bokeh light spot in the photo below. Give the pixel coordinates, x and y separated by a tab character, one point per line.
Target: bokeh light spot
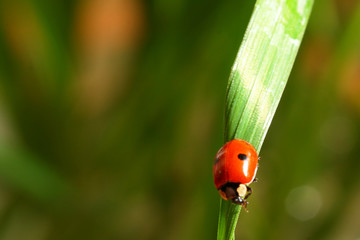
303	203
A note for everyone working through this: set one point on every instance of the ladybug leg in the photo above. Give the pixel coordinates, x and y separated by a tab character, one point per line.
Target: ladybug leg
248	192
240	201
255	180
244	206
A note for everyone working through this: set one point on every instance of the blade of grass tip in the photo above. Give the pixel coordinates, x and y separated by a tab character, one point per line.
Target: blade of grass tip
258	78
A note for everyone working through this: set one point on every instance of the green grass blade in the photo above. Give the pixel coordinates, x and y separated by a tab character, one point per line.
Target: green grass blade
26	173
258	79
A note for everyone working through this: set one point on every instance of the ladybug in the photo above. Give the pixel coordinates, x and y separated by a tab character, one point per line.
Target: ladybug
235	167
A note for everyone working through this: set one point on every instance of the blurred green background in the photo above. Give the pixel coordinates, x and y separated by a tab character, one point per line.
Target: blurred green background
111	112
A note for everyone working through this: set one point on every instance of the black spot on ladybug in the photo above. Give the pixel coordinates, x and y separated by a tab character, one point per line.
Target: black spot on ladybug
242	157
216	160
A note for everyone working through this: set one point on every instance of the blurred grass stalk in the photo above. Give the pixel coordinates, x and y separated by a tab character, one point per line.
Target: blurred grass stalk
258	79
26	173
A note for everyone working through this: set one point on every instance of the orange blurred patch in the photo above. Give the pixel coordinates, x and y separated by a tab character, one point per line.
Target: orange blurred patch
345	8
315	57
111	24
28	46
22	31
350	83
107	35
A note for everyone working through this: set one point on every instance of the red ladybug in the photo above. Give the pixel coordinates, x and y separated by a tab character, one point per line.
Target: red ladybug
235	167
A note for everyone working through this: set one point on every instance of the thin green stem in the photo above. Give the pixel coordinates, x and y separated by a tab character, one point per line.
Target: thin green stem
258	79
